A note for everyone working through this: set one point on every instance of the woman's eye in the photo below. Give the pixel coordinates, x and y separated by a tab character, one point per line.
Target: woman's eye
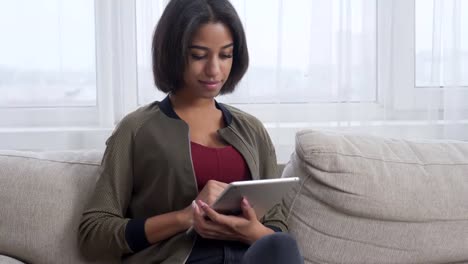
198	57
226	56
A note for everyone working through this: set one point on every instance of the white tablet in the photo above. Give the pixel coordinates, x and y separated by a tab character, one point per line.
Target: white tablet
261	194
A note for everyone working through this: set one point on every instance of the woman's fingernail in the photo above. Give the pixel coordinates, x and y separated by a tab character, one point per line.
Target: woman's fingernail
245	202
203	204
194	204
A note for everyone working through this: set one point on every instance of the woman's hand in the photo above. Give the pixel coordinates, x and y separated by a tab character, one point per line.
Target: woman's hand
208	195
211	191
210	224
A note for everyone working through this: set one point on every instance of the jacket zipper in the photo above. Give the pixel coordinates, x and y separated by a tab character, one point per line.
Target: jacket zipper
190	252
196	188
191	161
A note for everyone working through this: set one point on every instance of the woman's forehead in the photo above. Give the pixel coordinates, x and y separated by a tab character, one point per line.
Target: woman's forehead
212	35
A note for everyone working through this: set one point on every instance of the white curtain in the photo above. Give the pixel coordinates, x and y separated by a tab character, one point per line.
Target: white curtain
446	67
389	67
47	53
301	51
386	67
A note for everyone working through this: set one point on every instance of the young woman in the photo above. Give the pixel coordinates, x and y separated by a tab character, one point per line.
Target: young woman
167	162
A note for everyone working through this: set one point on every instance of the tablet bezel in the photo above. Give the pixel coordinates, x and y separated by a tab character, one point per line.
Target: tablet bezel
260	194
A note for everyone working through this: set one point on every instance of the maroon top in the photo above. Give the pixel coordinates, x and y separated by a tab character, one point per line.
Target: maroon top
221	164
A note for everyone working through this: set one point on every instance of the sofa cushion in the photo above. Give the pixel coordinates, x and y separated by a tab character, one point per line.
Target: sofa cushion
8	260
366	199
42	197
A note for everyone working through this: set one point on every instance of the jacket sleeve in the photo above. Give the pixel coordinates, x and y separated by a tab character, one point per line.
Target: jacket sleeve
102	226
275	217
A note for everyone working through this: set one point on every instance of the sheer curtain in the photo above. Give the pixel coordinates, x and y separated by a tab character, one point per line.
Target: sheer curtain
446	67
313	63
427	69
53	64
387	67
301	51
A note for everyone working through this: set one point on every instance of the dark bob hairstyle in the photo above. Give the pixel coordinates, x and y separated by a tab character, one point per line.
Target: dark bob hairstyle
173	35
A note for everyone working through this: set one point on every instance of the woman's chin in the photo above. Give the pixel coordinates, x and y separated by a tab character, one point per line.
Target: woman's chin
209	93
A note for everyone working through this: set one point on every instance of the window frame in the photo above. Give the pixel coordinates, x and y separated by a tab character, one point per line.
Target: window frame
46	116
114	53
402	75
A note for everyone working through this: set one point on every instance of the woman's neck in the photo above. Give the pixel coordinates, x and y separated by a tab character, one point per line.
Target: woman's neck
183	101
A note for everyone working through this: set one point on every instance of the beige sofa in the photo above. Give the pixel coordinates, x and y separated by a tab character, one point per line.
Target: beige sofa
361	199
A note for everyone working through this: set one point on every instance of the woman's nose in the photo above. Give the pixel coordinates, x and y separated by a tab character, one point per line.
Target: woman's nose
213	67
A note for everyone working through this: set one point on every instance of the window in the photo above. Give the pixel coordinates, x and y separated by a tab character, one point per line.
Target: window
441	43
48	70
426	58
71	69
48	53
287	62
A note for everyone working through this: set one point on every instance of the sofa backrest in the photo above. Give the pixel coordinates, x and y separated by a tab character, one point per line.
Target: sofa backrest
366	199
42	196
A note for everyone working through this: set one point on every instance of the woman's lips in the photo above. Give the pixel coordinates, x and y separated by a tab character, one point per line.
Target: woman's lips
212	85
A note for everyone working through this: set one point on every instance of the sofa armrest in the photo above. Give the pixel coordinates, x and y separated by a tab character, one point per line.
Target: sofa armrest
8	260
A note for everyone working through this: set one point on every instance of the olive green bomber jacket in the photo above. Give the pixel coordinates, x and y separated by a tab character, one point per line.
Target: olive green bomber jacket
147	170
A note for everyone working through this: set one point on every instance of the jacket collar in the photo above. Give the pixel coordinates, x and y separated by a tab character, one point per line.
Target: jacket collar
166	107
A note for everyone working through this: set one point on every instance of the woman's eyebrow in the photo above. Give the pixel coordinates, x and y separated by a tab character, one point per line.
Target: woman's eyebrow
205	48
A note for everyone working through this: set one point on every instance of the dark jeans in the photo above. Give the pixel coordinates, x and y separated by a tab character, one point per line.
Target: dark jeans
275	249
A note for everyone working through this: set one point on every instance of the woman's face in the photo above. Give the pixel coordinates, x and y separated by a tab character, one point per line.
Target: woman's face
209	60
